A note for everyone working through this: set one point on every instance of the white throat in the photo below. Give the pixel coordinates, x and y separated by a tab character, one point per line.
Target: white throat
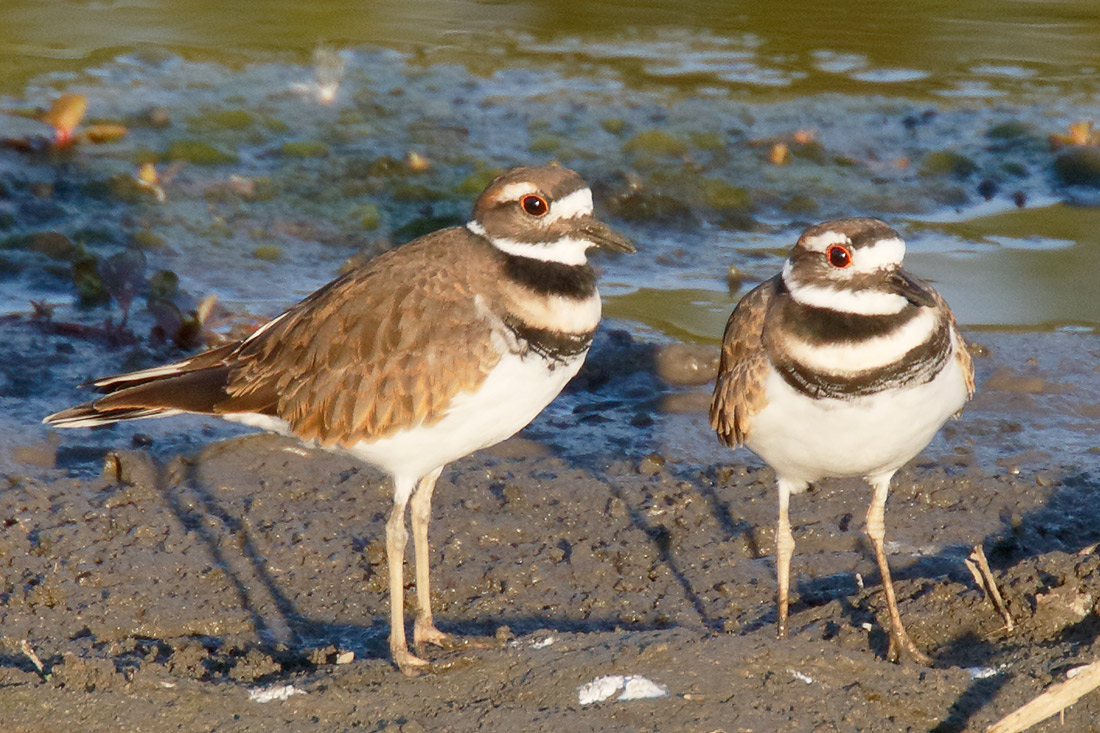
865	303
565	251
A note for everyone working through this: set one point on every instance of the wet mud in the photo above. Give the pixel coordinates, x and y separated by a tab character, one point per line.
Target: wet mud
170	577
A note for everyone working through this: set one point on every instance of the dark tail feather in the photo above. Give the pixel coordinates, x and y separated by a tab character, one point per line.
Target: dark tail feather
199	391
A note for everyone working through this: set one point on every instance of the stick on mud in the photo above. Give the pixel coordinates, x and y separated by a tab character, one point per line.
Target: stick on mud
28	652
978	566
1054	700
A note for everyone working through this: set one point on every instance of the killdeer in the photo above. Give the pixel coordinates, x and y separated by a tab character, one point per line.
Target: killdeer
448	344
842	365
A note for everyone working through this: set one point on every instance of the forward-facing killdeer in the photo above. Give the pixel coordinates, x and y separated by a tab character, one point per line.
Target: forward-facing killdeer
448	344
842	365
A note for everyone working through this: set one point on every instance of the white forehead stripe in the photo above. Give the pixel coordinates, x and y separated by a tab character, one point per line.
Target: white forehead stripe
566	250
885	254
515	191
822	242
578	203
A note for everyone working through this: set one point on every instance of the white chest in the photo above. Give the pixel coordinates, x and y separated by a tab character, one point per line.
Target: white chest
805	439
511	396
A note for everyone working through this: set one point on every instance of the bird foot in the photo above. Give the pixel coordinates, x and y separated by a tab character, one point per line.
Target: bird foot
427	633
410	664
781	629
902	649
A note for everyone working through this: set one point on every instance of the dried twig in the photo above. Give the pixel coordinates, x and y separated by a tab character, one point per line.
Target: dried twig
28	652
1055	700
978	566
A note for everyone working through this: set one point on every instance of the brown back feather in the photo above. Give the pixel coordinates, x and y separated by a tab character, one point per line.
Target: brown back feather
386	346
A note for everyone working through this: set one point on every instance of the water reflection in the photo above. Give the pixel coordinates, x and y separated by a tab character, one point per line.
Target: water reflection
925	47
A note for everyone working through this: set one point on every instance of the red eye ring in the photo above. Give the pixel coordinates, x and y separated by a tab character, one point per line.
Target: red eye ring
839	256
534	205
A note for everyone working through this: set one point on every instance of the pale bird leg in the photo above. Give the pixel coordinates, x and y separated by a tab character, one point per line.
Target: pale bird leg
901	647
784	548
396	536
424	630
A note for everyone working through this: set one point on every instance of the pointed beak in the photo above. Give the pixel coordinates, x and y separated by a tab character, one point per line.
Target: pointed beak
604	237
912	289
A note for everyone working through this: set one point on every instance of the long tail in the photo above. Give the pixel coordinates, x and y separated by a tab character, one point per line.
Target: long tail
196	385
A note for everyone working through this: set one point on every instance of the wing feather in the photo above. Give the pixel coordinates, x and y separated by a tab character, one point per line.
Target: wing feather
402	336
743	367
384	347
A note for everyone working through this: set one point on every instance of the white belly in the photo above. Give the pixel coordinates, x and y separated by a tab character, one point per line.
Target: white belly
511	396
805	439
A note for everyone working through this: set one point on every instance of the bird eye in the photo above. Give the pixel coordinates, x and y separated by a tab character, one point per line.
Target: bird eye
534	205
838	256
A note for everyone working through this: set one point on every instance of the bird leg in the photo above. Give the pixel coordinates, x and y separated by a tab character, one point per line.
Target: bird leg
901	647
424	630
784	548
396	536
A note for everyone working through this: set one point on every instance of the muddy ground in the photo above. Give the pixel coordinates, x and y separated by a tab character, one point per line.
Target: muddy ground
165	583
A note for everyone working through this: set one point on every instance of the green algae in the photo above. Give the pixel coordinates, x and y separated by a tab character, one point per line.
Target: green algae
199	152
614	125
149	240
475	183
655	143
369	216
722	196
544	145
268	253
305	149
220	120
947	163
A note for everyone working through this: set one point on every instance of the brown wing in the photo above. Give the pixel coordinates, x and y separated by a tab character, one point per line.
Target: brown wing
962	353
739	389
384	347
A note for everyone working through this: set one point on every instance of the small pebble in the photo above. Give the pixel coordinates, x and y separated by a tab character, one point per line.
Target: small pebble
734	279
651	465
158	117
689	364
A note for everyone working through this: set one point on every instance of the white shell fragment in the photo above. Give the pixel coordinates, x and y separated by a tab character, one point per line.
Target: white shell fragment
631	687
801	676
981	673
275	692
636	687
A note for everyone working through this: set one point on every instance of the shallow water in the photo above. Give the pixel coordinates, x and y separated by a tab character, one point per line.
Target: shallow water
929	47
476	87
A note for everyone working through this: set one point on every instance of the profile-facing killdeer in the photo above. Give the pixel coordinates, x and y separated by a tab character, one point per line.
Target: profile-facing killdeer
448	344
842	365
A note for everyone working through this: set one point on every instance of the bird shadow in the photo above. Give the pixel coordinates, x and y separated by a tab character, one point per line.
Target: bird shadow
981	690
280	627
